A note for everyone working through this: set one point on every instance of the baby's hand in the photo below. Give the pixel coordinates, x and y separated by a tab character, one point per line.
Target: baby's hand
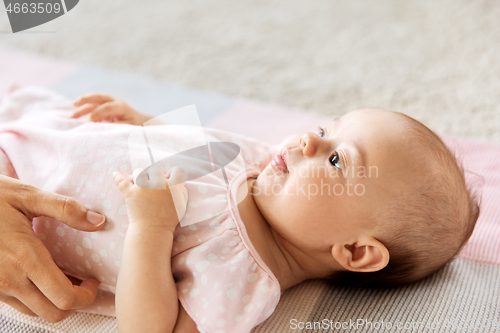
159	202
106	108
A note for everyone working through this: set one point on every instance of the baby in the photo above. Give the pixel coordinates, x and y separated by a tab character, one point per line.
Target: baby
375	198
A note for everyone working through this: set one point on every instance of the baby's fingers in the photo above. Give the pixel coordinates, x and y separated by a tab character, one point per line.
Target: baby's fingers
106	111
136	174
153	178
176	175
84	109
93	98
122	184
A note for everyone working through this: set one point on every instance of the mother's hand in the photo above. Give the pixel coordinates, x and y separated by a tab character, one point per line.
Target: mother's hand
30	281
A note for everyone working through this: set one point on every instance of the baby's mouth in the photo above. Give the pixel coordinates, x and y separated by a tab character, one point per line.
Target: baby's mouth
279	161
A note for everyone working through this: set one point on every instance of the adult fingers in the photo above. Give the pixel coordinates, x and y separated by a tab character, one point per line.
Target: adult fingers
93	98
106	111
57	288
36	303
84	109
16	304
74	280
34	202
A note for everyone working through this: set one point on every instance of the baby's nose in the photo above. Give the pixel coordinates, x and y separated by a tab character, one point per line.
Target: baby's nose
309	143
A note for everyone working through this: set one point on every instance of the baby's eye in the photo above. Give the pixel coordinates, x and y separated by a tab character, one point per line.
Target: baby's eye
321	132
335	160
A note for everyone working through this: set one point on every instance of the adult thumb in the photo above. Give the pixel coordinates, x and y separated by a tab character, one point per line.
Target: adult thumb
62	208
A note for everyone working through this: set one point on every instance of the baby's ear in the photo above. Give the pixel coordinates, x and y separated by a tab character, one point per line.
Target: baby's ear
366	254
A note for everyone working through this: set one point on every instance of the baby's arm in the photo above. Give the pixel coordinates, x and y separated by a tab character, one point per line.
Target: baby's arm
184	323
146	299
146	295
106	108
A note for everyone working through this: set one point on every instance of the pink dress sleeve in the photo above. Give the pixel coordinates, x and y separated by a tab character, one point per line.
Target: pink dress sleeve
222	287
222	282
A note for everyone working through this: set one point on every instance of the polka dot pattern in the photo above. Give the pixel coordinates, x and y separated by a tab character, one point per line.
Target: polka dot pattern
211	258
249	291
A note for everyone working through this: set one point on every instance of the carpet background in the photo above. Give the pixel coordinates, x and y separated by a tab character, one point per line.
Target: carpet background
434	60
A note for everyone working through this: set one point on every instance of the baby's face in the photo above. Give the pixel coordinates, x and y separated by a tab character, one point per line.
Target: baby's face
331	182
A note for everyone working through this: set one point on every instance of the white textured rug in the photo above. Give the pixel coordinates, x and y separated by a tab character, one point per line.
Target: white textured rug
437	61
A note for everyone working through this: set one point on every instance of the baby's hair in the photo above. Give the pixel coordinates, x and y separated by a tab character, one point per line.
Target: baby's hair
431	222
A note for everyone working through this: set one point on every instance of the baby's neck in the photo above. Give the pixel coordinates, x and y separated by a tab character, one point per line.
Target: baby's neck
288	264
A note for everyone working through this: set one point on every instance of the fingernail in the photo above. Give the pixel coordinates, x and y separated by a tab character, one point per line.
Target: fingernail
94	218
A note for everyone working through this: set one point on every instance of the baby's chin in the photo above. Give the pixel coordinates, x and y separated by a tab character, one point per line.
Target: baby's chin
271	172
267	172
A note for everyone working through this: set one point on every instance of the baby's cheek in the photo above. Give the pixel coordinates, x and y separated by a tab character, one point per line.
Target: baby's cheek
307	186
